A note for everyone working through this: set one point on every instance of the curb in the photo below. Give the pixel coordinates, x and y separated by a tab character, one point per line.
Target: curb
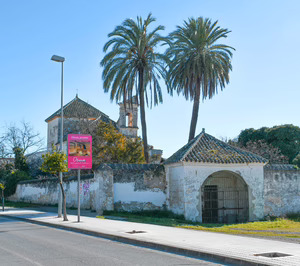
146	244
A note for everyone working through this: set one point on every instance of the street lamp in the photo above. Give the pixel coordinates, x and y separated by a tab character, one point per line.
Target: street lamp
61	60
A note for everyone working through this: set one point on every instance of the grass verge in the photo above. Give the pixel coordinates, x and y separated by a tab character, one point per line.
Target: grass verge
288	227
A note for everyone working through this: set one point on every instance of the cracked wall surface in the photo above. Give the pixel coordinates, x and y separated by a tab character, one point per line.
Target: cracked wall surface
137	189
185	181
282	191
122	189
45	192
272	191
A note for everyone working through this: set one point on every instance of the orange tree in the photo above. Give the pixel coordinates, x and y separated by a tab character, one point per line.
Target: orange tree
53	163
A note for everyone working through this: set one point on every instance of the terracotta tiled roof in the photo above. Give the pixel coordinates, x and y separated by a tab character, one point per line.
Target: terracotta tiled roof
207	149
78	108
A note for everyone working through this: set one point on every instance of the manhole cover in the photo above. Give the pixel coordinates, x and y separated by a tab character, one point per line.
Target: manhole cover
136	232
272	255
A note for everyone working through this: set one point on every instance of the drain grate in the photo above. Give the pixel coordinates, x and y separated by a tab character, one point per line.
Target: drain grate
273	255
136	232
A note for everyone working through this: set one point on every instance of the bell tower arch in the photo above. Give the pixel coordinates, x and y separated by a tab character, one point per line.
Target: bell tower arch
128	120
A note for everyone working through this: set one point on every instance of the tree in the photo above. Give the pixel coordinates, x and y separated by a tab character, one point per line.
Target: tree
252	135
285	137
2	187
23	137
54	163
12	173
133	62
262	148
198	64
3	150
34	163
11	179
296	160
20	160
110	146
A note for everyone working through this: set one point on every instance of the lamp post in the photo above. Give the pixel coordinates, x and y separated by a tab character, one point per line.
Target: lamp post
61	60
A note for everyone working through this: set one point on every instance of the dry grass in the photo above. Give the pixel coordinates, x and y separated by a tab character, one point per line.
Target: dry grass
284	228
278	227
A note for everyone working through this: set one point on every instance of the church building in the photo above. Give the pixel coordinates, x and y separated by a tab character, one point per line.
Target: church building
78	110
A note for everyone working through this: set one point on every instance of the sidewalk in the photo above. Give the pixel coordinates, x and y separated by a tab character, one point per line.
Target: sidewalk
215	246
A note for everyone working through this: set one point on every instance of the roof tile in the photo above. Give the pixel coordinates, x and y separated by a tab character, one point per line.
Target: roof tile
207	149
78	108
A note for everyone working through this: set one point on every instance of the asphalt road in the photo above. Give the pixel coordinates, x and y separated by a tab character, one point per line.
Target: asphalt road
24	244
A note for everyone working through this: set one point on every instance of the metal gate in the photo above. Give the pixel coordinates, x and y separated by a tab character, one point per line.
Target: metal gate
224	206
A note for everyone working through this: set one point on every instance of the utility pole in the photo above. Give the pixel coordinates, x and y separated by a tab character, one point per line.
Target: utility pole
61	60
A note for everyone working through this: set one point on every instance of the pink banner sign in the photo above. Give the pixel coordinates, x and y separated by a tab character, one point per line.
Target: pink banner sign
79	151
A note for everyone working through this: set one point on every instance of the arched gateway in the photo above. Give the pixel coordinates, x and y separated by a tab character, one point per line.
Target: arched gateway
213	182
224	197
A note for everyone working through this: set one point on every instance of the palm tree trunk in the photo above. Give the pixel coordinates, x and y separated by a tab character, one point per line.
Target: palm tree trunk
143	115
195	113
64	201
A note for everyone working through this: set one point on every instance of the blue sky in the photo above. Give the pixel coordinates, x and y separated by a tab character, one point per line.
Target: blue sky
263	91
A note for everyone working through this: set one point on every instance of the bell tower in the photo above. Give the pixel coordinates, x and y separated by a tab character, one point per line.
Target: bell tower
128	120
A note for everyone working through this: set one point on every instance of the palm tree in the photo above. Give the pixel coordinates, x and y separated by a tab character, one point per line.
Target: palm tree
198	65
133	66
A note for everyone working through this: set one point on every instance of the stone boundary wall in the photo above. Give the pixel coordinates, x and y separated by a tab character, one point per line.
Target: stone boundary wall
46	191
127	187
134	187
137	187
281	189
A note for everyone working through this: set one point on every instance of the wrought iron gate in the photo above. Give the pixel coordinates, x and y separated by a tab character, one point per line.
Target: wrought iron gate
224	206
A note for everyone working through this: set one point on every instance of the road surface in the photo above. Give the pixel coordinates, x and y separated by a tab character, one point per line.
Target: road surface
23	243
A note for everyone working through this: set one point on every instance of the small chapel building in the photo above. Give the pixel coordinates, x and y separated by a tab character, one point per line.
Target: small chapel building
210	181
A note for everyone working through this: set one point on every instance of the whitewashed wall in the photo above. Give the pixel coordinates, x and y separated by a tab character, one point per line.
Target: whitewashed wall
175	188
190	177
282	190
95	192
126	195
52	133
124	188
139	188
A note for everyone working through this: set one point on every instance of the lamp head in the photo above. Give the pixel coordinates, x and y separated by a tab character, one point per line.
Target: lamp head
57	58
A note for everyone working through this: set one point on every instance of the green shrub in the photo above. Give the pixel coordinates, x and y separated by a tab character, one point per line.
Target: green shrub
11	181
295	216
150	213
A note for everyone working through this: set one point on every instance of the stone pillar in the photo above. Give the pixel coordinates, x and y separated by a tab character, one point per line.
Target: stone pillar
105	193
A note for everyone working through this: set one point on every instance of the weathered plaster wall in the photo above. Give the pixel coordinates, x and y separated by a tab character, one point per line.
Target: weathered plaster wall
128	199
194	174
282	190
139	188
52	133
175	191
91	191
42	192
119	186
105	193
273	190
